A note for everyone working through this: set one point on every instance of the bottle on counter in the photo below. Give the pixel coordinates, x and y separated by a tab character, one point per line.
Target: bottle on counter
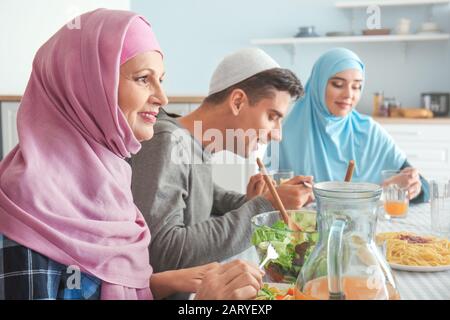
378	100
384	109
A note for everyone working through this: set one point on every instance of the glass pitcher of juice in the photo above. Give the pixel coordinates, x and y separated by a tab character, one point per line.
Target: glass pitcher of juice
346	263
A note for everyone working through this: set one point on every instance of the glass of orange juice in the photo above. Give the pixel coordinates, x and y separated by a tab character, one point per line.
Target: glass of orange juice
395	196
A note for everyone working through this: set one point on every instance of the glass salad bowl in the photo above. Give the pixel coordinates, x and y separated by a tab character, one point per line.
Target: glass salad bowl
292	247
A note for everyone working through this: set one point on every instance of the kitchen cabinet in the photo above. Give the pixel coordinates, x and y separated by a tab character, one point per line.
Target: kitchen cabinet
183	105
426	144
8	116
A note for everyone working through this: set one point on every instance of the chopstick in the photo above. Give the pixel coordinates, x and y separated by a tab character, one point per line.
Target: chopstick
349	174
307	184
273	191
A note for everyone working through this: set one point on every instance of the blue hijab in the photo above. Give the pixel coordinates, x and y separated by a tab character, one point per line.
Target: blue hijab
317	143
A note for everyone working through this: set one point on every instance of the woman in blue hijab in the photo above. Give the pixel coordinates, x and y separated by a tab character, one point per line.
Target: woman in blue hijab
324	131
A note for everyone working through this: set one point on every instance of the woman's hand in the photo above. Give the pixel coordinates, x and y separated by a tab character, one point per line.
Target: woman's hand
189	279
236	280
409	179
166	283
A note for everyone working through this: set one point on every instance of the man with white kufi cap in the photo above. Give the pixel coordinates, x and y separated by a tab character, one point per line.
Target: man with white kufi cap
192	220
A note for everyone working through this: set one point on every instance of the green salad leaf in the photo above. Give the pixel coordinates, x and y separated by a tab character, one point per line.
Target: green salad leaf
266	292
277	232
284	242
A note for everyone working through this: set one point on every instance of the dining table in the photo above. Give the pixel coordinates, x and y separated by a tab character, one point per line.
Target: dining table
412	285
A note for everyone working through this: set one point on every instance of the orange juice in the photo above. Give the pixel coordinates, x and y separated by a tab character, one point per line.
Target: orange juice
396	208
355	288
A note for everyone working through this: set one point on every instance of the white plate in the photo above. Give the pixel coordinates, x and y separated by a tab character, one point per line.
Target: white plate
402	267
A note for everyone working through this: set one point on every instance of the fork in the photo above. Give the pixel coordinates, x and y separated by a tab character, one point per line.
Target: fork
271	255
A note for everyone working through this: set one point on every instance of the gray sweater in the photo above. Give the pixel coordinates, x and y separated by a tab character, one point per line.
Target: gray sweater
192	220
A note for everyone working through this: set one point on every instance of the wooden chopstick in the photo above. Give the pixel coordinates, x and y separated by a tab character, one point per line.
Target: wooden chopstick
308	185
273	191
349	174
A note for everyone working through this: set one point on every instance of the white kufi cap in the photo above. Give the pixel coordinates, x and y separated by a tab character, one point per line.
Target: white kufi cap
239	66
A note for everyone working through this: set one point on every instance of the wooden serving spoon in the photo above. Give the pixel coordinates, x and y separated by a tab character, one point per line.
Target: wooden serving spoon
279	205
349	174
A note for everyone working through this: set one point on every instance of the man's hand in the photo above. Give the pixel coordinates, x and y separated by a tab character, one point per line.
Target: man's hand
293	193
257	186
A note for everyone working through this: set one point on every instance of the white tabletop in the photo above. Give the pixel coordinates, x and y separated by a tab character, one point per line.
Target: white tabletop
418	285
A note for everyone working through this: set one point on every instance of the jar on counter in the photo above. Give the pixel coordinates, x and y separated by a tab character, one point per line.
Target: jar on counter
378	100
394	107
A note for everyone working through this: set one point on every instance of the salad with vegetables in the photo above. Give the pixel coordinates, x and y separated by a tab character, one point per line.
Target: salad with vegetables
293	248
270	292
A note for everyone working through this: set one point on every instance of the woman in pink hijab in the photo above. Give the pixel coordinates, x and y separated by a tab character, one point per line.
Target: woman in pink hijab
68	226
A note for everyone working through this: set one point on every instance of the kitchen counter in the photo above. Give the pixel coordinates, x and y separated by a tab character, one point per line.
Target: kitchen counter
387	120
199	99
172	99
10	98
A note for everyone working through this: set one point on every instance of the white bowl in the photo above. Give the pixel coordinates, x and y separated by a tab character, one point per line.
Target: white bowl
429	27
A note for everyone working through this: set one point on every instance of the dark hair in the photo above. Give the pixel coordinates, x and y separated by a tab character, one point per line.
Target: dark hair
262	85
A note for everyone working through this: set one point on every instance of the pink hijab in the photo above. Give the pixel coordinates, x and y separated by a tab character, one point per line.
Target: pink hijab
65	188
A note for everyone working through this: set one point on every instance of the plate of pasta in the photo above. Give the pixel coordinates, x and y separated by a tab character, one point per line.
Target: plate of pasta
408	251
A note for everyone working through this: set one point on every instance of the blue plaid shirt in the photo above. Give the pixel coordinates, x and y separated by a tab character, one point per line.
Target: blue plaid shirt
28	275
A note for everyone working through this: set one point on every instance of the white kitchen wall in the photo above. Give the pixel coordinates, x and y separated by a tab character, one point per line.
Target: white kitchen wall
26	24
